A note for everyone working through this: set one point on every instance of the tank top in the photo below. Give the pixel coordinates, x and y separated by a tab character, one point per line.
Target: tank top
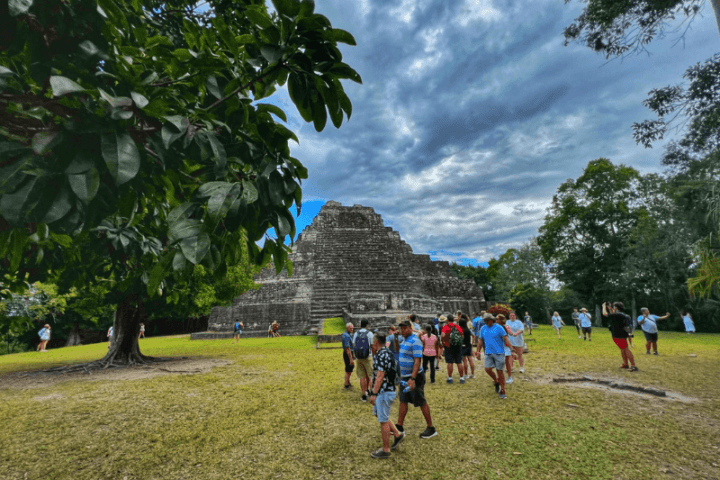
430	341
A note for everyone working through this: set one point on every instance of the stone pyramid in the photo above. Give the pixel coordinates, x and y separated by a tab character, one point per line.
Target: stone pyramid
347	263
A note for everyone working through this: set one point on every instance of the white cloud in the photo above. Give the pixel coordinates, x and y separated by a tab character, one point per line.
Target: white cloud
478	10
451	169
421	66
404	12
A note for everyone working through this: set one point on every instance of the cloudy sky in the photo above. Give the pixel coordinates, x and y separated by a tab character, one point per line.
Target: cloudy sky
472	113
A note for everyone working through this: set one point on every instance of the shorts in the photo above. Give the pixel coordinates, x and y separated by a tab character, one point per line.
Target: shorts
364	367
452	356
508	351
557	327
621	343
416	396
495	360
467	351
348	366
238	332
383	403
586	329
650	337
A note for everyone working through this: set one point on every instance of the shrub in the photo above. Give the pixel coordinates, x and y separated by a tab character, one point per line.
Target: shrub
499	308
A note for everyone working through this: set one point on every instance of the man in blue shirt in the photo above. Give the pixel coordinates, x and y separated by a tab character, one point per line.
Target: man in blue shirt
477	324
494	339
412	372
585	324
648	323
347	345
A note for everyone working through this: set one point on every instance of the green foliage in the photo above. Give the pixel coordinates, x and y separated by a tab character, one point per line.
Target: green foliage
517	266
132	144
527	297
479	274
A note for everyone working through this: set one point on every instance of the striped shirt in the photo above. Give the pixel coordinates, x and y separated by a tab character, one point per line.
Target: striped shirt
492	338
410	349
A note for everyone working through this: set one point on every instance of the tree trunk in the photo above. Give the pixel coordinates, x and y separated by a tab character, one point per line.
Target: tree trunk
126	328
716	8
634	311
73	336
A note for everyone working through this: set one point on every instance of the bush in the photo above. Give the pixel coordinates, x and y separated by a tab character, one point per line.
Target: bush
499	308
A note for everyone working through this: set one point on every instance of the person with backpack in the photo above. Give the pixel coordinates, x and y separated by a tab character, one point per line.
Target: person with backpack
382	395
648	323
347	347
452	339
620	325
430	341
362	340
44	335
237	331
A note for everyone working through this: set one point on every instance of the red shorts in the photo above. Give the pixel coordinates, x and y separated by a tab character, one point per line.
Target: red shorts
621	343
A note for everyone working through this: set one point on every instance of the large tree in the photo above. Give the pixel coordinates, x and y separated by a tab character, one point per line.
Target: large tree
134	142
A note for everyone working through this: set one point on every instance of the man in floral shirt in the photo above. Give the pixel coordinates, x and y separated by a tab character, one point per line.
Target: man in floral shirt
382	394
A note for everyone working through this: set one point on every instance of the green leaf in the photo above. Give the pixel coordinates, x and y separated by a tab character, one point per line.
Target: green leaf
116	102
19	7
179	262
213	88
220	202
139	99
266	107
46	141
286	133
272	53
16	206
298	94
307	7
319	116
195	248
218	149
81	162
156	277
64	241
184	229
283	226
225	35
181	212
184	55
17	248
342	70
85	185
259	18
340	35
61	205
244	39
287	7
250	193
63	85
213	188
121	156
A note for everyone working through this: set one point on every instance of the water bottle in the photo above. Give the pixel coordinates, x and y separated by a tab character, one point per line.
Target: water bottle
404	386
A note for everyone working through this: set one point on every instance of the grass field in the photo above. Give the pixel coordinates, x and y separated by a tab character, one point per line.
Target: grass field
334	326
277	409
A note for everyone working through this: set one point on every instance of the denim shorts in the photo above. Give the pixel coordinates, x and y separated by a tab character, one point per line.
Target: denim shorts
650	337
496	361
452	356
383	402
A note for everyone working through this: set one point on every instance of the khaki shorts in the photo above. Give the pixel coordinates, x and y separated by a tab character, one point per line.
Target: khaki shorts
363	367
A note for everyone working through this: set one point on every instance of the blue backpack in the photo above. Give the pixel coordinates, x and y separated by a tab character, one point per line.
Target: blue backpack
362	345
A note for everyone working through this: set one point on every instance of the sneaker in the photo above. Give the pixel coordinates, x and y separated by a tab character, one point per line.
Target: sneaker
437	368
502	394
472	376
624	366
497	388
363	398
655	353
584	338
449	380
380	453
462	379
522	370
634	368
647	353
428	433
400	428
348	386
509	381
589	339
397	441
579	336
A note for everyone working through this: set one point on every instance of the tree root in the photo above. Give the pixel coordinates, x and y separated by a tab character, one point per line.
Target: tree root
104	364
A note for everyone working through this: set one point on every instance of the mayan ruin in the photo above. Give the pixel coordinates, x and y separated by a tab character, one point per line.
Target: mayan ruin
347	263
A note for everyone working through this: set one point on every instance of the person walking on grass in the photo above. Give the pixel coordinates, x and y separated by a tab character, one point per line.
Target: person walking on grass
362	340
347	346
586	324
414	375
237	330
110	333
430	341
44	335
619	326
142	331
688	321
528	322
493	338
477	324
576	319
509	353
467	347
517	339
452	339
382	395
648	323
557	323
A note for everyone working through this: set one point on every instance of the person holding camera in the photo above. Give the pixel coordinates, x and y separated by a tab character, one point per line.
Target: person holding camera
619	326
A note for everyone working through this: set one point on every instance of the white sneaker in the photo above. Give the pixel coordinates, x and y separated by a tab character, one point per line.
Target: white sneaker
579	336
472	376
509	381
522	370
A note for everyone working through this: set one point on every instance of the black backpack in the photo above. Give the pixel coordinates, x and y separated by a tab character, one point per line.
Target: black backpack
628	324
362	345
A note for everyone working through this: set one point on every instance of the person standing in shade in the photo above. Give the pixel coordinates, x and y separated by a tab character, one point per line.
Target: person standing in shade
382	395
517	339
688	321
412	373
648	323
430	341
110	333
467	347
619	326
528	322
347	346
576	319
557	323
493	338
452	339
362	340
237	331
586	324
142	331
44	335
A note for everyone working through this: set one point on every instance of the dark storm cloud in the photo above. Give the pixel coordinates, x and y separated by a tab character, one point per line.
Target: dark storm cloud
472	113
